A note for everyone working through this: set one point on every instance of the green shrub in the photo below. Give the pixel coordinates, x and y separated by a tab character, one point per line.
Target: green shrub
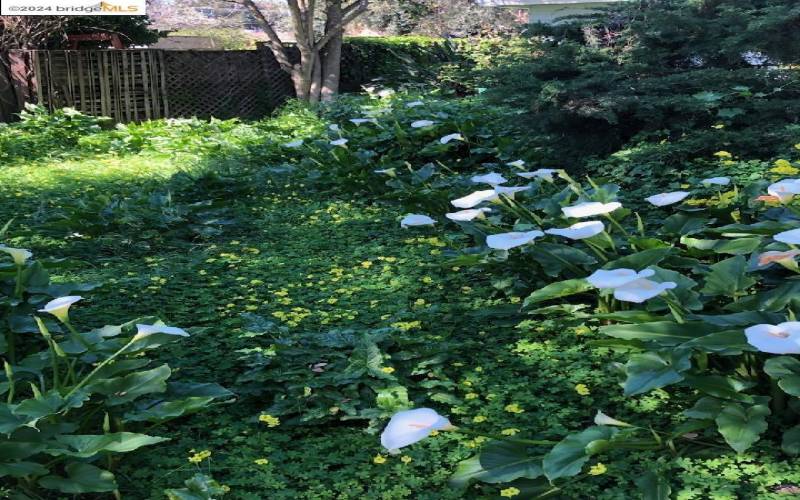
75	401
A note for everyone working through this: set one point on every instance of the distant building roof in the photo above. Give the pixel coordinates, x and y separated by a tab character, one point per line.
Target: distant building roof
185	42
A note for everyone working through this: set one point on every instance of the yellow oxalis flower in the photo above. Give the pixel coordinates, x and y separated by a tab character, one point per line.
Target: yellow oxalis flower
479	419
582	389
199	456
783	167
509	432
597	469
514	408
387	369
379	459
261	461
723	154
405	459
270	420
510	492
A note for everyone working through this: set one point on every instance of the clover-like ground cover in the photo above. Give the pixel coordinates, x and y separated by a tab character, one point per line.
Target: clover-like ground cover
289	258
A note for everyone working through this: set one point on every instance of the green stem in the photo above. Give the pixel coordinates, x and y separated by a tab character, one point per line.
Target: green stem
611	241
531	442
11	384
597	251
76	336
11	344
567	263
617	225
18	285
98	368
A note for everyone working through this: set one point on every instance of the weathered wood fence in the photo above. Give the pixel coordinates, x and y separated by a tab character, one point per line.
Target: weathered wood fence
143	84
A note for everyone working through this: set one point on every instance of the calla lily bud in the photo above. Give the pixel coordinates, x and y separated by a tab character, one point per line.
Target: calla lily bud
603	419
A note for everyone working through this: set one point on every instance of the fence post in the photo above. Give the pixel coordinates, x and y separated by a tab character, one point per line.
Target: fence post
15	84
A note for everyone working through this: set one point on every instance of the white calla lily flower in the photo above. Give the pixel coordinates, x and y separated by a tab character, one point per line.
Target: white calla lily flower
411	426
615	278
664	199
791	237
579	231
468	214
422	123
783	338
603	419
333	127
716	181
783	258
339	142
507	241
475	198
516	163
590	209
294	144
784	190
60	307
414	104
492	178
18	255
143	331
451	137
412	220
642	290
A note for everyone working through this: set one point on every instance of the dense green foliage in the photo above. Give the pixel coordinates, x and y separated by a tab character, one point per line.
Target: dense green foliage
277	245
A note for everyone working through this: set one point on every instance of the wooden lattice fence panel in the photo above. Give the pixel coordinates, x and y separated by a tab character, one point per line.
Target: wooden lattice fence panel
136	85
223	84
127	85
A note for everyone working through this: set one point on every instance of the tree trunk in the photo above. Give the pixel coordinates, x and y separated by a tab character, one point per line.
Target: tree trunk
332	58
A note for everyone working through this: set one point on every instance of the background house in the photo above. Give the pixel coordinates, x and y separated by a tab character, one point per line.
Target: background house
546	11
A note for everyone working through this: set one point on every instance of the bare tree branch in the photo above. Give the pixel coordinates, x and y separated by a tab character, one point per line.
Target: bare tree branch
275	42
361	7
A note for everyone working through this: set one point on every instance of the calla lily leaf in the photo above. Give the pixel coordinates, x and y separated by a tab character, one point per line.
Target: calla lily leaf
640	260
684	224
654	486
790	444
786	370
554	258
651	370
85	446
742	426
22	469
721	387
558	290
728	277
122	390
498	462
81	478
568	456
